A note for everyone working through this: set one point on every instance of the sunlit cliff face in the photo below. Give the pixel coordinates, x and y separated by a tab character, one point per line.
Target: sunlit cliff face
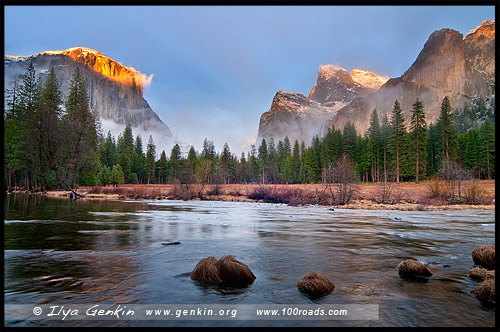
368	79
106	66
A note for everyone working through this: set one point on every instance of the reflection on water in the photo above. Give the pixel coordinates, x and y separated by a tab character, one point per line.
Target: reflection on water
61	251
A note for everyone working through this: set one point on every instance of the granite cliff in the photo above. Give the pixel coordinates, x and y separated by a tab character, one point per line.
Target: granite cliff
115	91
301	117
448	65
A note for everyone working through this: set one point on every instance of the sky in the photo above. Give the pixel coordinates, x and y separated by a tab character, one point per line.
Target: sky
216	69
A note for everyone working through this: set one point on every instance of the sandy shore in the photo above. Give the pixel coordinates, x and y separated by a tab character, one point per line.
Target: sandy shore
405	196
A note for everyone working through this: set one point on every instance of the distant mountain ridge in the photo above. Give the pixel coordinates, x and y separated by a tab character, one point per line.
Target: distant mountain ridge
299	117
448	65
115	91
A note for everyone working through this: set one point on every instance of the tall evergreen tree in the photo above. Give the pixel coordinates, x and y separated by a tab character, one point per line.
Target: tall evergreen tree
373	145
162	168
13	151
125	149
138	160
82	160
446	134
150	158
175	163
296	159
48	126
418	130
227	164
398	133
191	163
263	159
386	134
487	148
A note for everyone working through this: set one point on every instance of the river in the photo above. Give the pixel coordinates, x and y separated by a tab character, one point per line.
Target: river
85	252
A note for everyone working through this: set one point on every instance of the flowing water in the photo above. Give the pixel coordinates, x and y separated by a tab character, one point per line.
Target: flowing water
82	252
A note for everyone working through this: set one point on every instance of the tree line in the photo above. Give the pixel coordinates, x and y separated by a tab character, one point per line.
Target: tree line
48	146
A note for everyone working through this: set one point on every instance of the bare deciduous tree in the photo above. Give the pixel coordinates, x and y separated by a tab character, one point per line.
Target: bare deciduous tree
341	179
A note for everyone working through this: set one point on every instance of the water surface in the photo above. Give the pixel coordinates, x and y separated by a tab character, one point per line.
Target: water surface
67	252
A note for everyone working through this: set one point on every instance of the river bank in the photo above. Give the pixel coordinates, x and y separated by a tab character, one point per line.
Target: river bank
369	196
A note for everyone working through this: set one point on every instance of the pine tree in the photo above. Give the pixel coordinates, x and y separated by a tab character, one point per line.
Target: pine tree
309	167
227	164
386	134
138	160
13	151
150	158
125	148
271	161
108	151
432	149
117	176
349	139
296	159
48	126
82	161
263	159
398	133
253	164
191	163
418	132
373	145
175	163
162	168
446	134
487	148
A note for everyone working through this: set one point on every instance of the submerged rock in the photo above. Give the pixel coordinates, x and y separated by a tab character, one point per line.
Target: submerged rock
170	243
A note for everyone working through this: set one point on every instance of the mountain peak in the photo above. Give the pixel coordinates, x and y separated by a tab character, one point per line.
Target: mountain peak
327	72
484	25
368	79
104	65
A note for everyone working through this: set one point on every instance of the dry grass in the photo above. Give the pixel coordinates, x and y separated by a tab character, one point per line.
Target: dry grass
485	291
206	272
478	273
315	284
233	272
416	196
413	268
484	256
281	194
227	271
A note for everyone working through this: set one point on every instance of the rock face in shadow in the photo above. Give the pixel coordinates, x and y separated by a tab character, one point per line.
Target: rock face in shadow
301	118
114	90
293	115
448	65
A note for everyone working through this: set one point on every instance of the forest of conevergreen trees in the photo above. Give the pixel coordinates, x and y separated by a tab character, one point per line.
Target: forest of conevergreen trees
49	146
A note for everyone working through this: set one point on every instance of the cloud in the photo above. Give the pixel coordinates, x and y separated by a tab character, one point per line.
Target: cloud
143	78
